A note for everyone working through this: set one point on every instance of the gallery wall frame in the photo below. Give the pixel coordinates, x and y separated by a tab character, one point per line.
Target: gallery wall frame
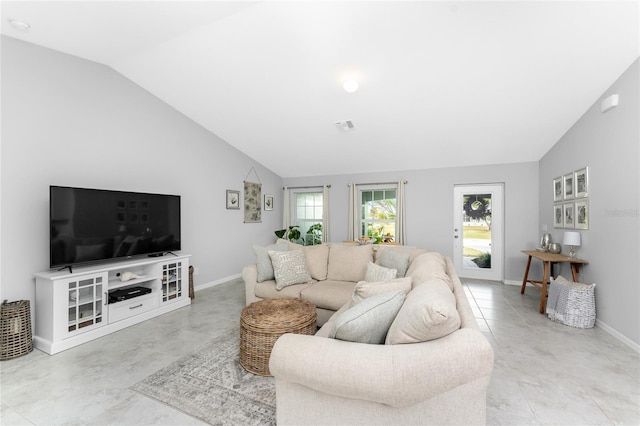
567	184
233	200
581	179
268	202
568	213
582	214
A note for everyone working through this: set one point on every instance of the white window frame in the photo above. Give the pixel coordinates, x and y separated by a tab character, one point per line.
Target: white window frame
362	221
304	224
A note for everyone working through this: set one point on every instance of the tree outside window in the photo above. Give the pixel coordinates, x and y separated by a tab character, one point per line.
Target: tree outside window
378	214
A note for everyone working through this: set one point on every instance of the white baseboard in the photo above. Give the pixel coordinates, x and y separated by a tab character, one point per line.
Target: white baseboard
216	282
615	333
513	282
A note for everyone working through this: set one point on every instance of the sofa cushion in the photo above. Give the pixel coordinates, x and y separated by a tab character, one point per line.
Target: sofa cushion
394	259
268	290
429	266
329	294
413	252
366	289
368	321
263	260
376	273
429	312
289	267
317	258
348	262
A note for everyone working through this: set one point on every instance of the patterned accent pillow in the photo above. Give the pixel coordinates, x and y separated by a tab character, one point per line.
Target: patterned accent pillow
377	273
391	258
289	267
263	261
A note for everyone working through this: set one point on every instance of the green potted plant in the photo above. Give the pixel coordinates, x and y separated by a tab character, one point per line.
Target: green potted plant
314	235
292	234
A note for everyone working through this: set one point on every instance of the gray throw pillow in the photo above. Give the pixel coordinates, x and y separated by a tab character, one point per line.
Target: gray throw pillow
289	267
369	320
390	258
376	273
263	261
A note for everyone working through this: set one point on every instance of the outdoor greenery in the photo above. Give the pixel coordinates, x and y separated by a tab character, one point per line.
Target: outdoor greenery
313	235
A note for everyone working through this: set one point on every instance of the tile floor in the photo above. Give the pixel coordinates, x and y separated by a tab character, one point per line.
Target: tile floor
545	373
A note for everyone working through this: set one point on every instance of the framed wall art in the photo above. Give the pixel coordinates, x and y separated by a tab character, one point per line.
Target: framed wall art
558	190
582	214
568	215
567	183
268	202
581	179
558	221
233	200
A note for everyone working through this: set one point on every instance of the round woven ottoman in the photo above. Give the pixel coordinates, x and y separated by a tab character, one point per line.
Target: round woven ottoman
262	322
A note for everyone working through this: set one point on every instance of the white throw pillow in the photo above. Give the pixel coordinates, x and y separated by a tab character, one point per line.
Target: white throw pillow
365	289
376	273
395	259
289	268
263	260
428	313
368	321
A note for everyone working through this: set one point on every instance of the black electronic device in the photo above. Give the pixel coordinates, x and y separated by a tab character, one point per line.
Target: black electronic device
89	225
127	293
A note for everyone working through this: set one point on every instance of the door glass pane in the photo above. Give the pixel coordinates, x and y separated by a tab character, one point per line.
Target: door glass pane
476	227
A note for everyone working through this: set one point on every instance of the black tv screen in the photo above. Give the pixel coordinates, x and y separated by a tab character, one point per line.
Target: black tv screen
89	225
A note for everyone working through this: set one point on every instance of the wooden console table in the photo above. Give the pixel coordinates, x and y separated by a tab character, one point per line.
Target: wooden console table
548	259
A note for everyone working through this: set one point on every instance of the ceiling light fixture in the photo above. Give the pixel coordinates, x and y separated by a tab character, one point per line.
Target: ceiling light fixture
20	25
350	85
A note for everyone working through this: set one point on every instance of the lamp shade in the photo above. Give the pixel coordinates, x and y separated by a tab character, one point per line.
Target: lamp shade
572	238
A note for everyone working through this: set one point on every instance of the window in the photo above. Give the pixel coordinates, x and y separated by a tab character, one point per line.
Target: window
378	214
308	216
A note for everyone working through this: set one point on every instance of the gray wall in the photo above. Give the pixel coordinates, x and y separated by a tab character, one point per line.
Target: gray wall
608	144
429	198
68	121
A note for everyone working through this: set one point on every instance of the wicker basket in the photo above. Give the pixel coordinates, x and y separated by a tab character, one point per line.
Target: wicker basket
571	303
15	329
263	322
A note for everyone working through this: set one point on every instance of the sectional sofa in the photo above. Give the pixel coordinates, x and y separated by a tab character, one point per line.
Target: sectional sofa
404	350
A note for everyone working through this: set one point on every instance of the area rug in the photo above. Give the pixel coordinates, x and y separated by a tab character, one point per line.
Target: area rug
211	385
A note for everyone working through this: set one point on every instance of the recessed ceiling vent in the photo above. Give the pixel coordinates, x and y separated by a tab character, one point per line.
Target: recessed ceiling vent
345	126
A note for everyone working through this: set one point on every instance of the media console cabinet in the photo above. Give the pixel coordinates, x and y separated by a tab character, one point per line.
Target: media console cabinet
73	307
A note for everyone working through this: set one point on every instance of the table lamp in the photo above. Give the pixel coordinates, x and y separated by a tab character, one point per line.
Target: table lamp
571	239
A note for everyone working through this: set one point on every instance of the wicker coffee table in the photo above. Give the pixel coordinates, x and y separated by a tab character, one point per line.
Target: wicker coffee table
262	322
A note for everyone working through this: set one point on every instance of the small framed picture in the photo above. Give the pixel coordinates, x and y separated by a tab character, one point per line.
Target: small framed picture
268	202
582	214
233	200
568	210
567	182
581	179
558	221
558	191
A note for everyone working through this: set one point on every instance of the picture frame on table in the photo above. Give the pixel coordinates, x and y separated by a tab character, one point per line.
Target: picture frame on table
582	214
581	180
567	184
558	189
558	216
233	200
568	214
268	202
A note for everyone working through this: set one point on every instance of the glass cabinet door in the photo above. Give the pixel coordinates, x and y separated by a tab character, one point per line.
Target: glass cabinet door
85	303
171	281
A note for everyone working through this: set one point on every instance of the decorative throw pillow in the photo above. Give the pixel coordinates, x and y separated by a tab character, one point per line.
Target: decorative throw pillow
289	267
368	321
429	266
366	289
263	261
428	313
379	273
390	258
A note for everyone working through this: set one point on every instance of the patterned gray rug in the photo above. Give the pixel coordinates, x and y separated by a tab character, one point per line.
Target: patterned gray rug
211	385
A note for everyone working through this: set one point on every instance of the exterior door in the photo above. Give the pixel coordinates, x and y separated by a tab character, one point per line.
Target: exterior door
478	231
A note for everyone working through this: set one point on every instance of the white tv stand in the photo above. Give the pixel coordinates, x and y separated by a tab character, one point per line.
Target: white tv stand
73	307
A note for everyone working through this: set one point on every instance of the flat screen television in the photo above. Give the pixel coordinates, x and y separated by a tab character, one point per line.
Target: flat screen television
92	225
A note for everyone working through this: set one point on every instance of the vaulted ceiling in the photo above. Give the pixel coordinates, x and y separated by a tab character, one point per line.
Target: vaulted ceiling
440	83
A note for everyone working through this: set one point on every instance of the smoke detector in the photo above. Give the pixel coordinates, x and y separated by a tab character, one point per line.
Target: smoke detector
345	126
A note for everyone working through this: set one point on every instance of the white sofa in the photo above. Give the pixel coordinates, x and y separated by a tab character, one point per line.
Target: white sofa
442	380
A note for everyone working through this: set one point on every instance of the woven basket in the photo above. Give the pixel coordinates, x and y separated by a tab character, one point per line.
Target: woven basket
571	303
263	322
15	329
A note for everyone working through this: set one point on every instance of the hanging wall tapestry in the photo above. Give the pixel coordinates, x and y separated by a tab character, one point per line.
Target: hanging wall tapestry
252	201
